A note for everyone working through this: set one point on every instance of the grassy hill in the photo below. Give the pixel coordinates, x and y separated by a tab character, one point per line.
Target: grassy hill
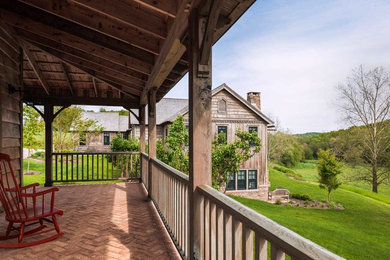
361	231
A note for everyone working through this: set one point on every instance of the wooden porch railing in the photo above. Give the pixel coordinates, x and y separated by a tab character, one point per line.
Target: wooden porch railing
79	167
170	196
234	231
144	169
229	229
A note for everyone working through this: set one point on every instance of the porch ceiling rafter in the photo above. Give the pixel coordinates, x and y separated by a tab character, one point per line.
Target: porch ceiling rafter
129	13
98	21
172	49
130	46
66	74
94	70
35	67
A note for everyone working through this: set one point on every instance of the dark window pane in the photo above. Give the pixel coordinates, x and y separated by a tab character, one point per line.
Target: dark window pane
223	129
251	130
241	180
231	185
83	139
106	138
252	179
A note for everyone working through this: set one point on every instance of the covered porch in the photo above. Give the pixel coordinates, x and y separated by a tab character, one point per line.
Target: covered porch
130	53
103	221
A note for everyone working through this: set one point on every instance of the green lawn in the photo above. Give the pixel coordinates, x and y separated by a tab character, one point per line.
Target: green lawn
361	231
308	170
90	171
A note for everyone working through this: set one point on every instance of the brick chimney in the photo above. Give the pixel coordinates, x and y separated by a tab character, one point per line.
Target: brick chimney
254	99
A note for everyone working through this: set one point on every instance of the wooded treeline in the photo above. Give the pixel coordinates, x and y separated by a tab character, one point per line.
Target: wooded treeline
346	144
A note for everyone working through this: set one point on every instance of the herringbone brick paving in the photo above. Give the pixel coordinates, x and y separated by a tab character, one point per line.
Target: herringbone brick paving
102	221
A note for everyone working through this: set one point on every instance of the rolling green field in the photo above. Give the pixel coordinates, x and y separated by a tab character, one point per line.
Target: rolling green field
361	231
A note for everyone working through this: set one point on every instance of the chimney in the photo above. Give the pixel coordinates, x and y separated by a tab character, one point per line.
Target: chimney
254	99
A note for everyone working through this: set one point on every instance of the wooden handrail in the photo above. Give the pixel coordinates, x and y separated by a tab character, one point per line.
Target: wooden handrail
282	239
170	170
94	153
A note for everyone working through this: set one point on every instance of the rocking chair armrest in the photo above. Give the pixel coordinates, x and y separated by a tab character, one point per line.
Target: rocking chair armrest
24	187
40	193
29	186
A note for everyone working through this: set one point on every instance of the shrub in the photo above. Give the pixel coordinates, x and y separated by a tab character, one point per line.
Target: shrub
306	203
38	155
278	202
300	196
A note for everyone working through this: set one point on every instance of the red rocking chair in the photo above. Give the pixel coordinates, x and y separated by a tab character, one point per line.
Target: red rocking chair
26	207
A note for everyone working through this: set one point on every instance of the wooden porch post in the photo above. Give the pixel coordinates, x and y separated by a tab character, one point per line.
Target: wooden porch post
151	134
142	128
200	130
48	117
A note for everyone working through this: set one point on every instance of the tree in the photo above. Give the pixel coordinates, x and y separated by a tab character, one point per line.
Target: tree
227	157
32	128
175	152
365	100
328	169
285	148
68	121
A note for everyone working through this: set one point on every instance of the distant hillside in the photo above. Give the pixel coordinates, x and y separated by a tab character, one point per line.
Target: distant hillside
308	134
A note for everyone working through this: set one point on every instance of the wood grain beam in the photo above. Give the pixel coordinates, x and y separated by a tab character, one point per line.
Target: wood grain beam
171	51
28	36
129	13
112	81
68	81
98	22
208	38
61	101
167	7
95	87
35	66
10	9
99	69
41	33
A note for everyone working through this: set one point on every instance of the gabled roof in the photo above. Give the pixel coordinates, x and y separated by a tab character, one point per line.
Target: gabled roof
234	94
165	109
111	122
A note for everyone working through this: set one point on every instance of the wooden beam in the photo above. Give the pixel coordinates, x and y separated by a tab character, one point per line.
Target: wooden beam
28	13
48	117
68	81
95	87
151	135
208	38
167	7
98	22
171	51
134	114
37	39
96	70
61	101
129	13
142	128
224	23
35	66
106	79
200	134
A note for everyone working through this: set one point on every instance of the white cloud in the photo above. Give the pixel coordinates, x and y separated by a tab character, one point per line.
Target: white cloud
296	53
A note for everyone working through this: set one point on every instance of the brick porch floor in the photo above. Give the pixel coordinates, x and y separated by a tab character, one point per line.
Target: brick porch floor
102	221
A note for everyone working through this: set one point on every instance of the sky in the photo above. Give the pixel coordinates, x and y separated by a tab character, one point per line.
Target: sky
296	53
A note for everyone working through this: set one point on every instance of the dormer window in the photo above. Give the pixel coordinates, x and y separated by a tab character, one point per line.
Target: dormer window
222	106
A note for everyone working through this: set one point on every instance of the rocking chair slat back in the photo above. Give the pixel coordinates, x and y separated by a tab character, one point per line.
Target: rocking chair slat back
22	206
10	194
